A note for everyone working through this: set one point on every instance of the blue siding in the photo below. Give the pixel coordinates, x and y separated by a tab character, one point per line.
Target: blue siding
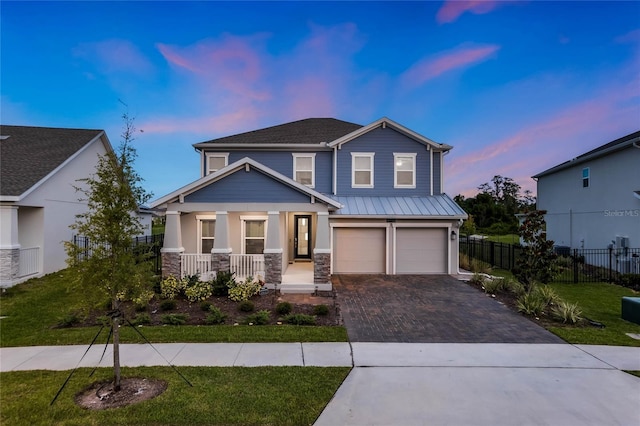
384	142
247	187
282	162
437	173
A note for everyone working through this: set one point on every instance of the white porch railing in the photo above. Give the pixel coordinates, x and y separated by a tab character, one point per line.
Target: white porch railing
29	261
247	265
196	264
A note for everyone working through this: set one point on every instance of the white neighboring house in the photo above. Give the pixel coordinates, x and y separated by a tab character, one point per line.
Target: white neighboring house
593	200
39	168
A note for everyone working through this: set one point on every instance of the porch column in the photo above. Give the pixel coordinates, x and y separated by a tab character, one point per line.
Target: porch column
172	247
221	251
322	253
9	245
273	251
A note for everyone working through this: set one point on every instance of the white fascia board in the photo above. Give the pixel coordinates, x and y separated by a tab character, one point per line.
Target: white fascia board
412	217
232	168
269	146
102	136
398	127
9	198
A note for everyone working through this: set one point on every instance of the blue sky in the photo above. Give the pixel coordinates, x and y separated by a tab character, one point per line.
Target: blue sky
515	87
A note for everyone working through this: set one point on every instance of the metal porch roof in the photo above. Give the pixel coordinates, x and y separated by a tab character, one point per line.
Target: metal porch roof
430	206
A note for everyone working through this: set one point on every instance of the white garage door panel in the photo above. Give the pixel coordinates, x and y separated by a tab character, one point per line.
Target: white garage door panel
421	250
359	250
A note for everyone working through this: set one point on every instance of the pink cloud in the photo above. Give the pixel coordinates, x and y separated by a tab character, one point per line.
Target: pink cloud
451	10
115	56
227	123
461	57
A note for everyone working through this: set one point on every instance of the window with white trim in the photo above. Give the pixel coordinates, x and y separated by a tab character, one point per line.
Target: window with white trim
216	161
304	169
206	233
586	174
362	169
254	233
404	170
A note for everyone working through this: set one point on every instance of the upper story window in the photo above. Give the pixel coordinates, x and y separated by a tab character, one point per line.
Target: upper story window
216	161
404	168
585	177
206	233
304	169
362	169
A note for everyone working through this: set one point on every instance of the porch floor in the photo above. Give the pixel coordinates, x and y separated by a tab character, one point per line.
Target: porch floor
298	273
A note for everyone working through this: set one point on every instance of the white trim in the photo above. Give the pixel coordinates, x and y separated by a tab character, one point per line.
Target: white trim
243	236
321	251
385	225
297	155
272	251
200	218
431	176
335	171
172	250
371	156
210	155
221	250
396	156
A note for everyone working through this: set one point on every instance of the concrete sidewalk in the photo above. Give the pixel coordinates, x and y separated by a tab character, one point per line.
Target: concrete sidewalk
414	383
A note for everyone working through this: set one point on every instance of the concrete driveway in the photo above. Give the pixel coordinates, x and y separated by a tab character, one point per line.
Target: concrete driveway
428	309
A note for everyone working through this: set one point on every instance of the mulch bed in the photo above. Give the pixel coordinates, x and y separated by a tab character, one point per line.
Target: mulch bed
101	395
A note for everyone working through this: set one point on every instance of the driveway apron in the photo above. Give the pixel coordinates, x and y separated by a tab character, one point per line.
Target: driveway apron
428	309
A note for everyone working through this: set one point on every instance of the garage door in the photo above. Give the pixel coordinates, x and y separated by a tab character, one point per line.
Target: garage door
421	250
359	250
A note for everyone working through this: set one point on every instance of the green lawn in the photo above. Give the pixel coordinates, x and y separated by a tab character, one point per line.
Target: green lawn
508	238
223	396
34	307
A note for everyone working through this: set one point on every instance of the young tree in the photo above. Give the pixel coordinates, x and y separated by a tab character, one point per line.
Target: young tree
113	195
536	261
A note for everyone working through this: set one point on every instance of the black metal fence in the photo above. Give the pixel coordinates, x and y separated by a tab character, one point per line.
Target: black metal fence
574	265
147	247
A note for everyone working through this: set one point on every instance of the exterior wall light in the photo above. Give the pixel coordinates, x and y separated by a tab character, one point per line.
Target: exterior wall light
453	235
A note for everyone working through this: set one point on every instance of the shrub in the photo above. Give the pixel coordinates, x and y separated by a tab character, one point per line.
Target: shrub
205	306
464	261
141	318
246	306
300	319
493	286
216	316
283	308
198	291
103	320
513	286
548	294
478	279
69	320
142	301
259	318
630	280
478	265
222	282
531	303
568	313
244	290
175	319
171	287
321	310
168	305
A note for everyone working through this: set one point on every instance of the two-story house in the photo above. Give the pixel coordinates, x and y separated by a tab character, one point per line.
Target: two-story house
297	202
593	200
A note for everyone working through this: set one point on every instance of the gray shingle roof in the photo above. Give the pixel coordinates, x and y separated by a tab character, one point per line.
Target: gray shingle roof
307	131
30	153
429	206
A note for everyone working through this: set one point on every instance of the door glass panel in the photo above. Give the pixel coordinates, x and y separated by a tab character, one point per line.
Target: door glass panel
303	236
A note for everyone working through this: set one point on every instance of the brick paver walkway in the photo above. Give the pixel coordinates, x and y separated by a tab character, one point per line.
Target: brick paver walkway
428	309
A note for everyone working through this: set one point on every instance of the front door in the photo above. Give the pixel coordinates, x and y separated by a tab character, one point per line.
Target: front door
302	237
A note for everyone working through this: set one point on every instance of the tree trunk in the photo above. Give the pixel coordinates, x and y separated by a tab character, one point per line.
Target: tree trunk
116	349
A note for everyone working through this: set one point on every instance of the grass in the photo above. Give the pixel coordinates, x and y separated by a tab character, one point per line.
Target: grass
32	308
257	395
507	239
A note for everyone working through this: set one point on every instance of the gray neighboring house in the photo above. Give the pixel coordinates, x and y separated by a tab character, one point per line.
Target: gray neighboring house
39	167
593	200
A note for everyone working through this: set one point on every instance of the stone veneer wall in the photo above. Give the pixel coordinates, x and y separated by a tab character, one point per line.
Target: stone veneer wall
9	265
220	262
171	264
321	268
273	268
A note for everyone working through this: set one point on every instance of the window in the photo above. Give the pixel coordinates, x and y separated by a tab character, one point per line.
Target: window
404	166
254	231
304	169
585	177
216	161
206	233
362	169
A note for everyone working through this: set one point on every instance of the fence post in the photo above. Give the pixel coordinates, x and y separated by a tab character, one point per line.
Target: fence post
610	262
492	255
575	266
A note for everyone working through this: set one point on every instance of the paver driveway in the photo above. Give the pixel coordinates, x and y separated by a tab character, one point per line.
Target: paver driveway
428	309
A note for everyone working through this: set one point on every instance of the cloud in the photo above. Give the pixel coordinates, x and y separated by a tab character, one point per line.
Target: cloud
115	56
460	57
451	10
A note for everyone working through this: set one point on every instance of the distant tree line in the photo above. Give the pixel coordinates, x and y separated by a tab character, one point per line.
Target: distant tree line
493	209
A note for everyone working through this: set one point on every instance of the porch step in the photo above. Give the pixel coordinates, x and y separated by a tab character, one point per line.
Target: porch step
297	288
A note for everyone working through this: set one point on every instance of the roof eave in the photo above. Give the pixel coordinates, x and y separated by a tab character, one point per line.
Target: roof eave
421	217
272	146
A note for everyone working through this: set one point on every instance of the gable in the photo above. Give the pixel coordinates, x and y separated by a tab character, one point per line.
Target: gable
246	187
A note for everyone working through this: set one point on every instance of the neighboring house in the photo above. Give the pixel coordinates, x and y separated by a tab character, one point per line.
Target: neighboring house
39	168
593	200
297	202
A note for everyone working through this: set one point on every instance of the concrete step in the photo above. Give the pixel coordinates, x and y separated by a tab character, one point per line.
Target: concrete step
297	288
